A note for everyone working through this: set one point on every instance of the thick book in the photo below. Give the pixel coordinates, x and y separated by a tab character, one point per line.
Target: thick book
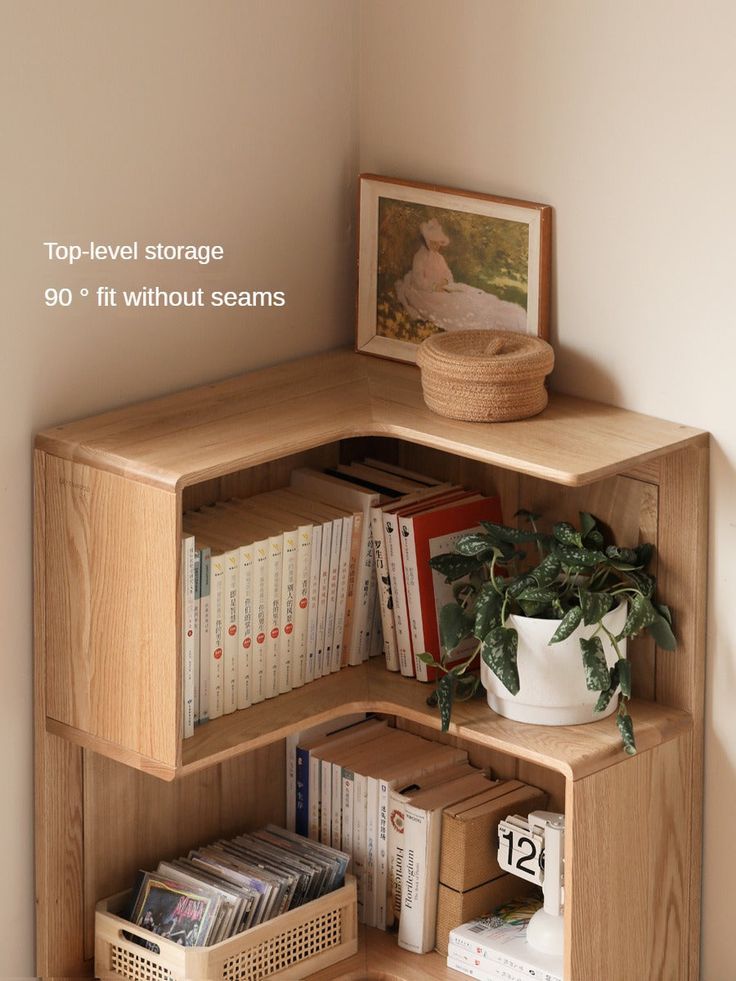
423	535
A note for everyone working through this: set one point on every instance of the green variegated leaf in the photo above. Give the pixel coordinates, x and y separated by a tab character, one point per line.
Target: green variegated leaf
624	676
661	631
426	658
641	614
587	523
455	625
535	594
577	557
453	566
597	677
568	623
445	694
626	555
594	606
513	536
474	544
487	610
643	582
605	696
664	611
626	728
499	651
515	587
547	571
594	540
567	534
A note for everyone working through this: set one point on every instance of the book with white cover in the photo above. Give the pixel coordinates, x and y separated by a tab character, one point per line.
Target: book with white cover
204	632
232	616
314	585
187	643
217	636
273	619
341	596
422	836
197	602
245	623
260	619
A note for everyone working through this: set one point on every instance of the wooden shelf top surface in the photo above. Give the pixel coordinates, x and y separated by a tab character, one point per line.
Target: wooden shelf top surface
574	751
220	428
380	958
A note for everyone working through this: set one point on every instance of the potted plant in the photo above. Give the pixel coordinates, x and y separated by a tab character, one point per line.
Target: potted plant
532	625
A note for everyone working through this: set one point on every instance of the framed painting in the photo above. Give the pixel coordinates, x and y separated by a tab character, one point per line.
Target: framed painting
436	259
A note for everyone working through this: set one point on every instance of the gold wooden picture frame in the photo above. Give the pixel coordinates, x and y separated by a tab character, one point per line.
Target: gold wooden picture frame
434	258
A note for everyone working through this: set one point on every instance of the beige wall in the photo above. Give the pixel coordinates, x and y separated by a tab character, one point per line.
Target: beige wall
621	115
236	122
230	122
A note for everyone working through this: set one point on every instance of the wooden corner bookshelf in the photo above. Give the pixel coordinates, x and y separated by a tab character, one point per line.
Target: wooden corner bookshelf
116	786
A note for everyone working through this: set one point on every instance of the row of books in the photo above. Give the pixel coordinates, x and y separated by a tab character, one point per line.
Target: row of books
222	889
495	948
377	794
287	586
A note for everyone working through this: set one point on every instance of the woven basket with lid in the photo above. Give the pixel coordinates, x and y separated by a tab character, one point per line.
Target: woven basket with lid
485	375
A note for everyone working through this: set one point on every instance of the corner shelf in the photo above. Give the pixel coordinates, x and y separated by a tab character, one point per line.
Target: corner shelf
110	492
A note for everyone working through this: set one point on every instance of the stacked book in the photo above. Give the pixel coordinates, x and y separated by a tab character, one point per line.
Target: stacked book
495	948
222	889
287	586
377	794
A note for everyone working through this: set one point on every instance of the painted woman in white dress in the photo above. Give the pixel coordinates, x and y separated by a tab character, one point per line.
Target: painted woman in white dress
429	292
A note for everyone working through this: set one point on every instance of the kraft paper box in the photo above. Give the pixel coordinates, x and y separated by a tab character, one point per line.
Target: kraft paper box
455	908
469	832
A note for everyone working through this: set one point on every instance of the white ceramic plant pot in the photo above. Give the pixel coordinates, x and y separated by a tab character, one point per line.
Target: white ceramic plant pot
552	689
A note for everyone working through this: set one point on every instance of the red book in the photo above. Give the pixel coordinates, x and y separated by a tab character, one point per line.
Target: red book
423	536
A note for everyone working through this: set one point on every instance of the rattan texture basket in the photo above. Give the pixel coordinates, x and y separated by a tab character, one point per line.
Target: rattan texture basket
485	375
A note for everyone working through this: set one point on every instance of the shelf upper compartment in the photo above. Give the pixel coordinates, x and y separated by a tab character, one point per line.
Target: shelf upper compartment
215	429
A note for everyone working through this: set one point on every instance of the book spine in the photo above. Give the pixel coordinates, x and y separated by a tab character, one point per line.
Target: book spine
314	582
413	595
398	593
204	634
197	628
383	585
260	620
290	749
363	576
382	854
371	827
341	599
488	961
232	616
245	628
371	599
324	590
273	632
217	635
377	645
336	819
395	870
418	924
187	645
301	616
315	795
325	805
287	611
359	842
301	815
327	663
348	798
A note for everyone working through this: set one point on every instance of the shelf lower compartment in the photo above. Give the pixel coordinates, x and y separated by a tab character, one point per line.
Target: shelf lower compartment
573	751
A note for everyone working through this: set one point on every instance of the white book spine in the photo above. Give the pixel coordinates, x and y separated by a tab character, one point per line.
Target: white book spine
273	637
232	617
315	796
288	611
301	616
336	820
371	828
377	646
245	624
395	871
348	797
335	552
363	578
341	598
371	603
205	653
260	621
413	596
290	744
325	805
187	644
383	585
197	601
324	591
314	583
381	895
360	843
490	960
217	635
418	923
398	593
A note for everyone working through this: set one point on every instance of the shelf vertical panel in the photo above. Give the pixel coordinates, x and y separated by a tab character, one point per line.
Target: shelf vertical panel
627	882
112	640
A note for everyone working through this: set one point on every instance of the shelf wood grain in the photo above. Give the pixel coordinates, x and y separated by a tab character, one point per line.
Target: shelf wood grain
206	432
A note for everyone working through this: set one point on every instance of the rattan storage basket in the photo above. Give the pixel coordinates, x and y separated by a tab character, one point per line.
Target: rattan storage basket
295	944
485	375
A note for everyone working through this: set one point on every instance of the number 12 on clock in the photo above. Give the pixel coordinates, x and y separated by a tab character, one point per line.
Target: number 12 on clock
521	849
